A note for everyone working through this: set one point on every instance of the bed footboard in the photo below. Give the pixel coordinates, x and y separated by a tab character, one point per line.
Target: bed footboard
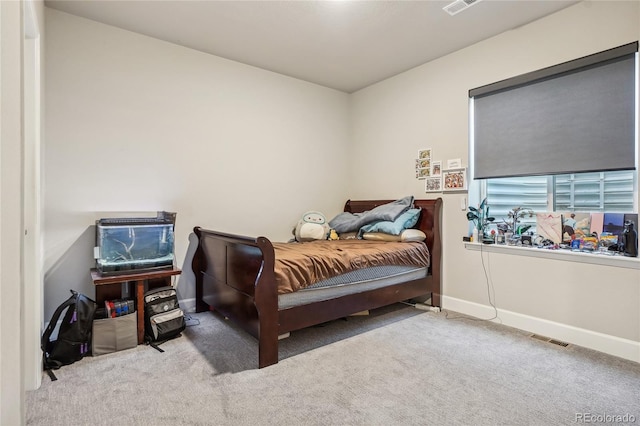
234	276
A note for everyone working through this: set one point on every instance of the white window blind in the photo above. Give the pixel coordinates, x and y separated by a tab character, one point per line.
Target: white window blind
609	192
504	194
594	192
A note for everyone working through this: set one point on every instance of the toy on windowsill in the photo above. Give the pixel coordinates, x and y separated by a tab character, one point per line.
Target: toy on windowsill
630	240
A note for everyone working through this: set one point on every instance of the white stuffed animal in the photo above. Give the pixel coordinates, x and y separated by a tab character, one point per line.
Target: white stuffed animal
312	226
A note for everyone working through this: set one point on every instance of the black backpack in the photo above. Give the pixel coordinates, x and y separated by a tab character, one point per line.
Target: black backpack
163	317
74	335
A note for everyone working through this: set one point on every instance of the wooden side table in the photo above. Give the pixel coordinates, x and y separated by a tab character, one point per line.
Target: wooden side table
106	289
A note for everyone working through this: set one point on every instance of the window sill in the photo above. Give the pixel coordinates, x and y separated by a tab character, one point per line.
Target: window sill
564	255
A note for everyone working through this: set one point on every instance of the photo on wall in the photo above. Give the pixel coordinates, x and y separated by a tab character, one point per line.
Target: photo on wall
454	179
424	165
424	154
433	184
423	173
436	168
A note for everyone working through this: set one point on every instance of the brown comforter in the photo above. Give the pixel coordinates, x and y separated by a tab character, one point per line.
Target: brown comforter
298	265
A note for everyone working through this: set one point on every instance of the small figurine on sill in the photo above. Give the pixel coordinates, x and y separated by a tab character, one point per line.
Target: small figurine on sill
630	240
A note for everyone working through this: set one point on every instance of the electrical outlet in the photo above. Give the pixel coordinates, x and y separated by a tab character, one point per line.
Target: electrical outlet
463	203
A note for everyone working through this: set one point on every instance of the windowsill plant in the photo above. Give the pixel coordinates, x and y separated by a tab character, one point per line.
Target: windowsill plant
480	218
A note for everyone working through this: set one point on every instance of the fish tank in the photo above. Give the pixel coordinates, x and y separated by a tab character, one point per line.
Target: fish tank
131	245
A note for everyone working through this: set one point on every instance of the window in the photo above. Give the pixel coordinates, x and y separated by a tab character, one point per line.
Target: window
579	192
561	139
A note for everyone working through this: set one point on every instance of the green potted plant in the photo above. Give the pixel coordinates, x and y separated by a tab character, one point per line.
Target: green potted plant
480	217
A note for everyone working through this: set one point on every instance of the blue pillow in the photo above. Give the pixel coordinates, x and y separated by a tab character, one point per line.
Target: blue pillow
406	220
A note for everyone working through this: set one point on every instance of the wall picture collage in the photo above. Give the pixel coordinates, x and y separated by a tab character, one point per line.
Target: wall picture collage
439	179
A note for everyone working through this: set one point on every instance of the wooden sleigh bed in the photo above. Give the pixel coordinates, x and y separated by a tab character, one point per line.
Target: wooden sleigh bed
235	277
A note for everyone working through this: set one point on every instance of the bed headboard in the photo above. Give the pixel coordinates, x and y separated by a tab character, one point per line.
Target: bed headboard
430	210
429	223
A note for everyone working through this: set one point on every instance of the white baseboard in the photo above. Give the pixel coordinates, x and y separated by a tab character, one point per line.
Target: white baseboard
612	345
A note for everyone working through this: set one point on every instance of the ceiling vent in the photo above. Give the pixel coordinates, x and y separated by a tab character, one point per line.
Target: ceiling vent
459	5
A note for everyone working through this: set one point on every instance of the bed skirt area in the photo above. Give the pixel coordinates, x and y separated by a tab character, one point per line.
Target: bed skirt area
351	283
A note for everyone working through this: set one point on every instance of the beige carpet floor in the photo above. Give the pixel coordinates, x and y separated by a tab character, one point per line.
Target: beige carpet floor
397	366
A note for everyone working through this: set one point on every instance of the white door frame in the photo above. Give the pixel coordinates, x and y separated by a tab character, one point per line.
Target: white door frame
32	304
12	397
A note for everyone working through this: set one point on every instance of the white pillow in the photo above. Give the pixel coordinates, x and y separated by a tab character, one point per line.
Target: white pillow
409	235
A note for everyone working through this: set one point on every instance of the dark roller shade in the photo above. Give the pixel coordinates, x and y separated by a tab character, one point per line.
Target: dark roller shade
575	117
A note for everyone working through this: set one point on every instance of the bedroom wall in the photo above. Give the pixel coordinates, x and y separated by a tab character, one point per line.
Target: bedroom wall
596	306
135	124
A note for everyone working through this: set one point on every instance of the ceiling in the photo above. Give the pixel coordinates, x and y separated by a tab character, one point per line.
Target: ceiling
345	45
